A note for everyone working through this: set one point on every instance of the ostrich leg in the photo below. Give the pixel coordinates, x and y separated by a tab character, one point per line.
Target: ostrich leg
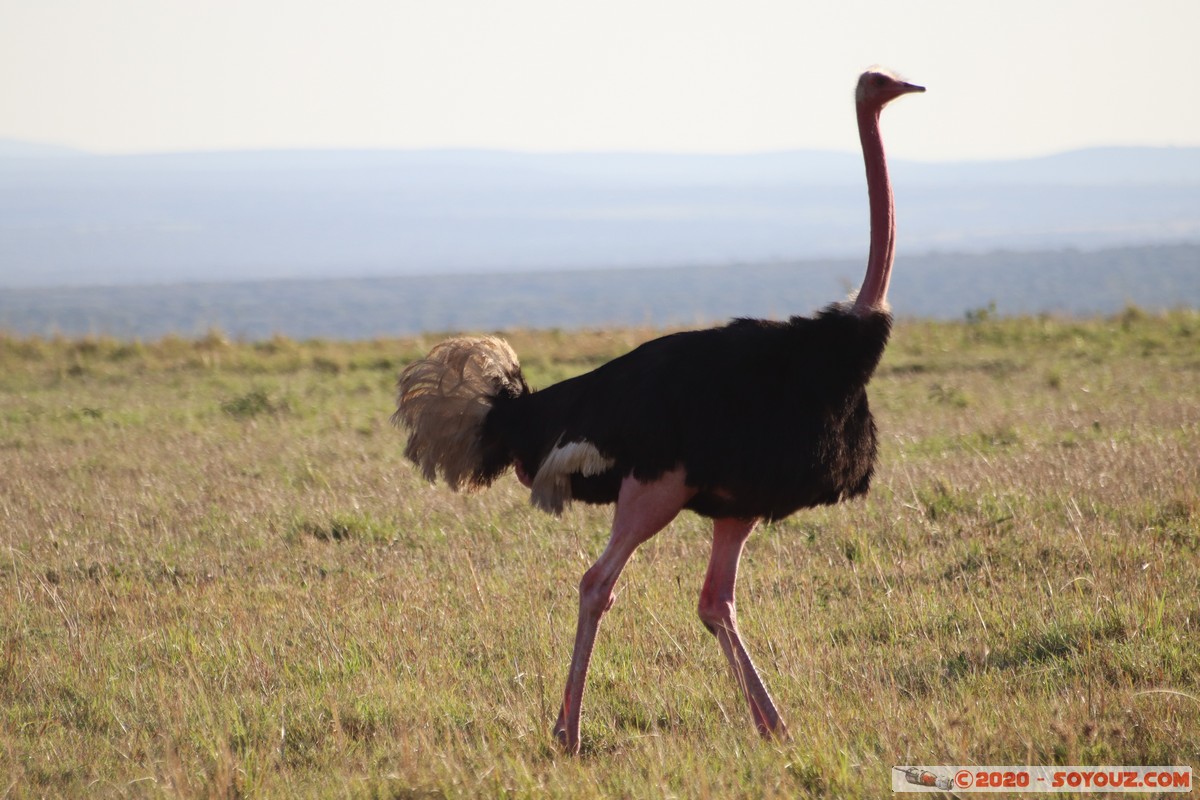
718	614
643	509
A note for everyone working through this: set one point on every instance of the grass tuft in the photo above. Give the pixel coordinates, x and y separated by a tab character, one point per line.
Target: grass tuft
254	403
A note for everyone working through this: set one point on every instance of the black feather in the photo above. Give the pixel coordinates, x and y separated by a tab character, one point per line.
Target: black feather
765	417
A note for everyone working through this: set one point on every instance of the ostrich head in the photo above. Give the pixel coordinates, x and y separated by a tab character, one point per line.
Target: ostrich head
877	87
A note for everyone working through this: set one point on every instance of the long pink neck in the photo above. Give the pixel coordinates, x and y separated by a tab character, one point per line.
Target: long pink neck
873	294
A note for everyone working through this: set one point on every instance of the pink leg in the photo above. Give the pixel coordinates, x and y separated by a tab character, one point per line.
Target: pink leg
718	614
643	509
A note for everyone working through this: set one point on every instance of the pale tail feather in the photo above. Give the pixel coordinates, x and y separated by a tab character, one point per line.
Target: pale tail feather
443	400
552	484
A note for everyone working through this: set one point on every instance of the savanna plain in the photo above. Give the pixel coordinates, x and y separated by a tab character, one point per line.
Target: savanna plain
220	578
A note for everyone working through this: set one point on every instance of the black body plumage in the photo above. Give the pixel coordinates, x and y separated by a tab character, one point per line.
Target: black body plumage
764	417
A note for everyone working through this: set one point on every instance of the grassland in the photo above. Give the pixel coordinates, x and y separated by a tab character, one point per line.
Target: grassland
221	579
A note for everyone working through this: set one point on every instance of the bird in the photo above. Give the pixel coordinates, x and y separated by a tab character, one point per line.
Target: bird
743	423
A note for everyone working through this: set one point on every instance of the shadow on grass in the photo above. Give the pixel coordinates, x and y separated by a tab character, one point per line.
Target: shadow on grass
1057	645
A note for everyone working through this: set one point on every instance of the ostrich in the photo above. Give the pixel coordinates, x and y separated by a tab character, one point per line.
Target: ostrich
746	422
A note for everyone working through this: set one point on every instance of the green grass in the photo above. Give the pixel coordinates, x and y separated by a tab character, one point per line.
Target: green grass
220	578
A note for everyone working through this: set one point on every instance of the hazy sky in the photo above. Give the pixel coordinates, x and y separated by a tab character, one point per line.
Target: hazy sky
1006	78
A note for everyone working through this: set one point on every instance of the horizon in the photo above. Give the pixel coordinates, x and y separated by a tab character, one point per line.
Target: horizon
64	150
652	76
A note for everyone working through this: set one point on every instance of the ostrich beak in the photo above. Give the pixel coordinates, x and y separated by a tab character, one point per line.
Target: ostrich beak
909	88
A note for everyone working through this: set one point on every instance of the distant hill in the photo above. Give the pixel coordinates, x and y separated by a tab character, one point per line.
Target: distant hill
1066	282
13	148
213	217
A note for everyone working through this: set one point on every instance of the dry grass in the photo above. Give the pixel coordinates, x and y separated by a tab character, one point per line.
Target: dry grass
220	579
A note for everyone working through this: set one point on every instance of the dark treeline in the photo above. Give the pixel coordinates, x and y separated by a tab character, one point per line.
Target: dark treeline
931	286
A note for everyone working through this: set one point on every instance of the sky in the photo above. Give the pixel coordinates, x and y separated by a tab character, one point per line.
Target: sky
1006	79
